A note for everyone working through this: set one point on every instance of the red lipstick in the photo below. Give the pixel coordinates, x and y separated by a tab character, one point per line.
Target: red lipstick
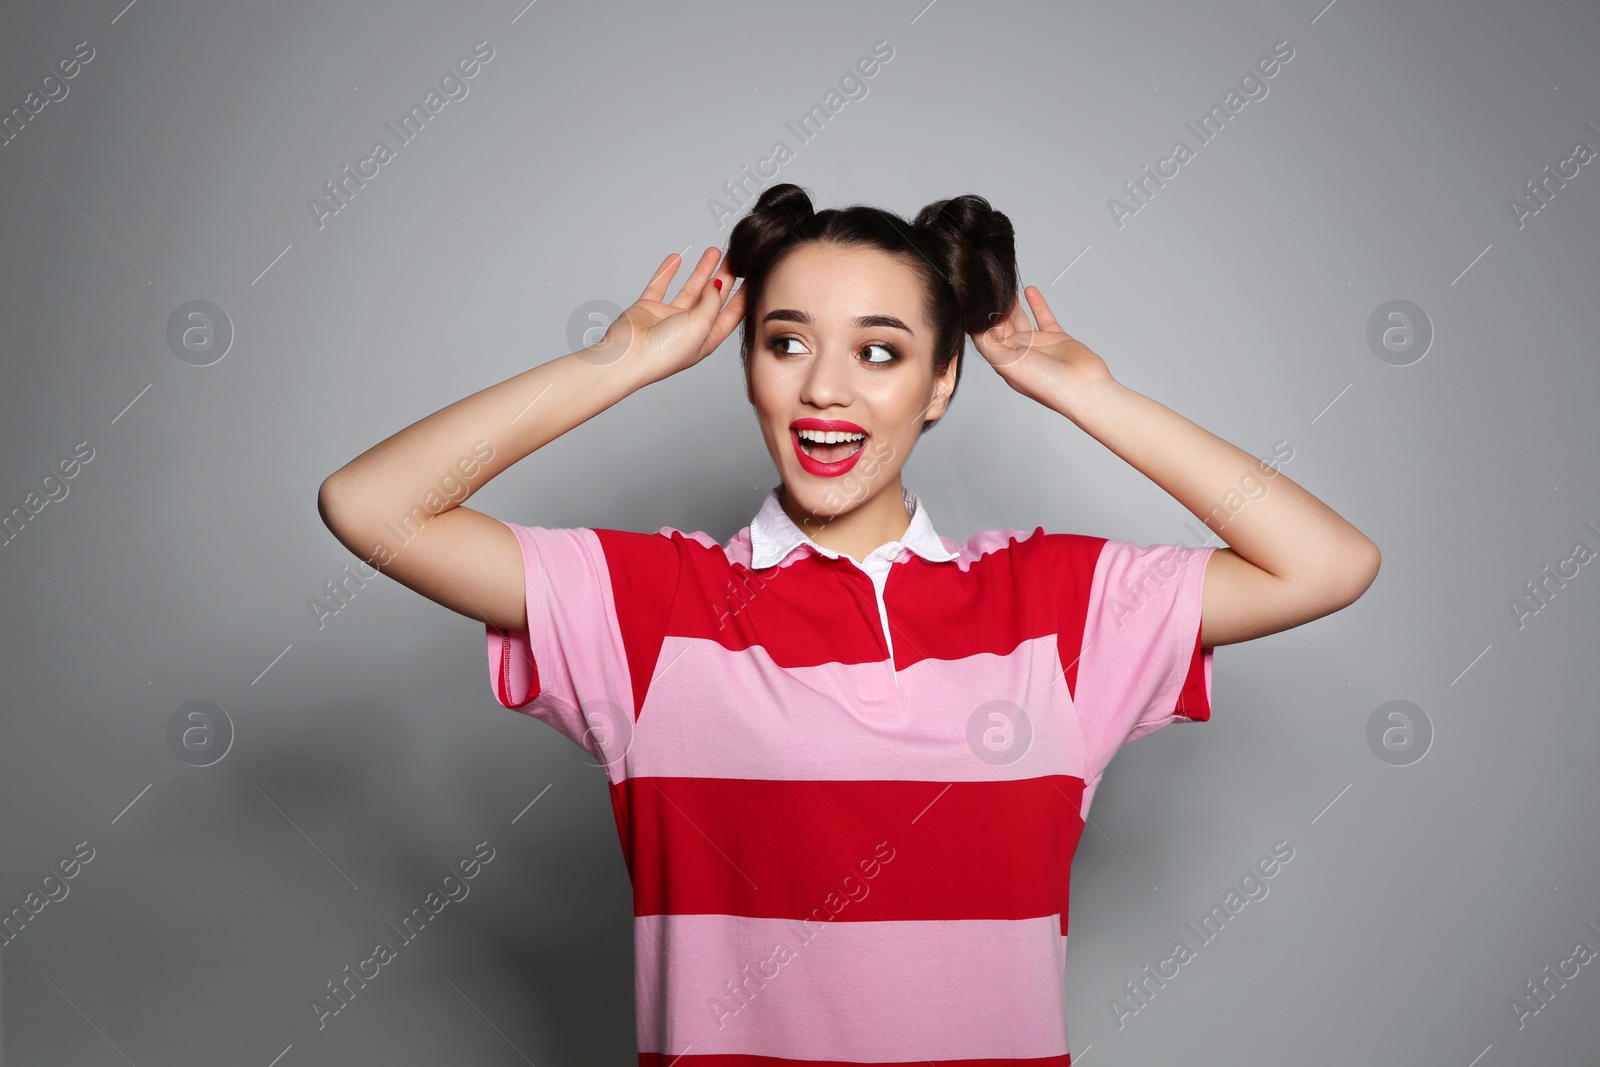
812	465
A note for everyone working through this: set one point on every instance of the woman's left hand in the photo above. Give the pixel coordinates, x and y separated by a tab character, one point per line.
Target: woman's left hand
1040	361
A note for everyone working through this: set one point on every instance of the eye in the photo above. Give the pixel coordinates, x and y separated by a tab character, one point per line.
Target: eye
777	344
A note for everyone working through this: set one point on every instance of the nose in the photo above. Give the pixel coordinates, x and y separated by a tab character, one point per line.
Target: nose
827	381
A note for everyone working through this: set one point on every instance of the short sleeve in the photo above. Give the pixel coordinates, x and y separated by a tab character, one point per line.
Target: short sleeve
1141	665
594	600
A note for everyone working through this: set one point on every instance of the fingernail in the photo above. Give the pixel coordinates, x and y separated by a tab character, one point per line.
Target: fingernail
718	283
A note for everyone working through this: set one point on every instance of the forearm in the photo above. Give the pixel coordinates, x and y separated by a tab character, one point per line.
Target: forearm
1263	515
439	461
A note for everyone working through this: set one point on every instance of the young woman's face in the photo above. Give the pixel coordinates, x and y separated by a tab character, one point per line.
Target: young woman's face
841	345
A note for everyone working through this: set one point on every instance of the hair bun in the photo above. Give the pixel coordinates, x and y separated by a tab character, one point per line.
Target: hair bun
778	211
969	218
979	250
786	203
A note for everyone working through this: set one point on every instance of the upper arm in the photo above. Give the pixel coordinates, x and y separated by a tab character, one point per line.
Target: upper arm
468	561
1241	601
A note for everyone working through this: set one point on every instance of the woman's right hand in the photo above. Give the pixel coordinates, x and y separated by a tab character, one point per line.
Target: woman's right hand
465	559
660	339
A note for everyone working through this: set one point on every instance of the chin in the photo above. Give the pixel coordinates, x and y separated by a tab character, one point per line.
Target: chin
809	498
829	498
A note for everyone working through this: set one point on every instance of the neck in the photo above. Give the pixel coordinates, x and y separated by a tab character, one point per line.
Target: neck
874	522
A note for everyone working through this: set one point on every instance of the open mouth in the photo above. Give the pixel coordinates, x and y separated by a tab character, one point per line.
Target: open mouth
830	446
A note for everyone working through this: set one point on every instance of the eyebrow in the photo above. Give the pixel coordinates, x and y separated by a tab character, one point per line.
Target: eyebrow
804	318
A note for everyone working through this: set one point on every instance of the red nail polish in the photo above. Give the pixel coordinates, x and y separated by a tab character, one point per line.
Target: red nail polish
718	283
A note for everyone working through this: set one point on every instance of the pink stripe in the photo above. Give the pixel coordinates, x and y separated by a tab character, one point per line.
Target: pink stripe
573	637
705	540
850	721
1138	638
982	543
877	992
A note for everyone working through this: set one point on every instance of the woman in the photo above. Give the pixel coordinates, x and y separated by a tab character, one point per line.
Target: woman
849	758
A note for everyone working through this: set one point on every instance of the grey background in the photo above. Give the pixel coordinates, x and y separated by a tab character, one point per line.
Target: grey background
370	756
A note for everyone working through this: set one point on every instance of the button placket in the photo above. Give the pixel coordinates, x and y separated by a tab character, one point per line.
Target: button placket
887	690
881	565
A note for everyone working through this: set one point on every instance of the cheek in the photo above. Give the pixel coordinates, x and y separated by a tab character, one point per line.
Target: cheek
769	409
906	404
763	384
773	388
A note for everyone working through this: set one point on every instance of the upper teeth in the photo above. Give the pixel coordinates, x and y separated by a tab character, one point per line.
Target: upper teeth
829	437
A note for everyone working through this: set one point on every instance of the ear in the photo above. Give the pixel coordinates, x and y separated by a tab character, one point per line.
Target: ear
943	387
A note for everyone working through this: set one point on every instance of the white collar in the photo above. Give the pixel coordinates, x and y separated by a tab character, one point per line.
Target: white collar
773	535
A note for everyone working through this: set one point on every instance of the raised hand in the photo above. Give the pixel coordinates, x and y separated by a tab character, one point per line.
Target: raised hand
658	339
1040	361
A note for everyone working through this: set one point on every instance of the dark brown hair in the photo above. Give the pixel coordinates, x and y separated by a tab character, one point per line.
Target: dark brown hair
963	250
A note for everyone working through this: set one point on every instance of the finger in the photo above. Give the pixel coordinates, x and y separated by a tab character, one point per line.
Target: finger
996	319
1041	310
724	278
1011	340
1014	321
697	281
726	322
730	316
657	289
1018	319
709	308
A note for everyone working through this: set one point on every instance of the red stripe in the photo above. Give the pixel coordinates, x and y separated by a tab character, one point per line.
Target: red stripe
503	683
818	610
804	614
938	611
1192	697
624	822
644	570
1075	557
852	850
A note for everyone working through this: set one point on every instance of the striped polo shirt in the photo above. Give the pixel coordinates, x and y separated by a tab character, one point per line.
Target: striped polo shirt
848	794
